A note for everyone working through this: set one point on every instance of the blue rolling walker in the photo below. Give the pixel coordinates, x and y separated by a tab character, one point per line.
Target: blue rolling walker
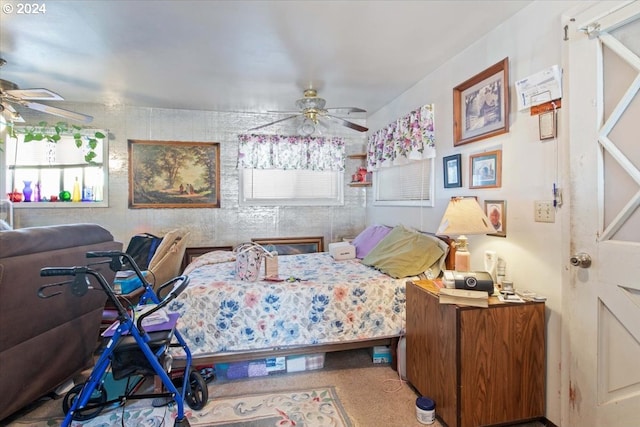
131	349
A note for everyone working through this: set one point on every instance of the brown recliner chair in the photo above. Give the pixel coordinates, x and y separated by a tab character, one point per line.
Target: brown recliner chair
45	342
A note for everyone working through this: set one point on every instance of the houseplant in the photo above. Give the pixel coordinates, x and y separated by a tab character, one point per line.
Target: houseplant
53	133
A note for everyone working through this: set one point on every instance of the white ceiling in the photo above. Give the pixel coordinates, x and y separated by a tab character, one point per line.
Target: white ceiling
238	55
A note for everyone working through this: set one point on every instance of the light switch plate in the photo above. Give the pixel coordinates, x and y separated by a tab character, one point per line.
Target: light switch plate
544	211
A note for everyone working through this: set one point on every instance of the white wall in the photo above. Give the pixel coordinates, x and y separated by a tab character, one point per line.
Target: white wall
229	225
532	40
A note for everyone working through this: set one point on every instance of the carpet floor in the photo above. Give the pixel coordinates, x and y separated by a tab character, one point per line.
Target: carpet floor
371	394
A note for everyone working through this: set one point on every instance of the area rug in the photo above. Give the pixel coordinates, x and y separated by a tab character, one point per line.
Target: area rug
317	407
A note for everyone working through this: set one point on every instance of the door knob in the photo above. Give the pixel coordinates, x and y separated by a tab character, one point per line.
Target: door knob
581	260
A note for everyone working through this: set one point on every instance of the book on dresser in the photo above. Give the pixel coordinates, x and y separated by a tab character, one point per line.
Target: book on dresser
463	297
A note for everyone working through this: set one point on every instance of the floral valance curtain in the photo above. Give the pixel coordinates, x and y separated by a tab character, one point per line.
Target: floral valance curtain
290	152
409	138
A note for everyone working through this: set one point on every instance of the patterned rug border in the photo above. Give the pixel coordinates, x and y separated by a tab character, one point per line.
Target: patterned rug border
136	412
335	400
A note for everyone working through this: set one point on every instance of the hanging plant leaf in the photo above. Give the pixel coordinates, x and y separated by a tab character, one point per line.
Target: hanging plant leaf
90	156
54	134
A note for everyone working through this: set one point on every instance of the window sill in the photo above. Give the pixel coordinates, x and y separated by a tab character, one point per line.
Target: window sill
60	205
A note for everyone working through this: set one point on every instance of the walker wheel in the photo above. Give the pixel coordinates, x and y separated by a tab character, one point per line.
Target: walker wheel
96	402
197	392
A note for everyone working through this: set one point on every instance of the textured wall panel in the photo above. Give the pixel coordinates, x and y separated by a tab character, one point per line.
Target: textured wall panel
228	225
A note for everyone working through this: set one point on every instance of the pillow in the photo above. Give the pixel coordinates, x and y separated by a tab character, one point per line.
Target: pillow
404	253
369	238
437	267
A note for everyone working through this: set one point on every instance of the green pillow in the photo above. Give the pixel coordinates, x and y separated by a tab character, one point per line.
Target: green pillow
404	253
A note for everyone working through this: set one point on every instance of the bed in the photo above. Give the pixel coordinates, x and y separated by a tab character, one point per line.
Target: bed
322	305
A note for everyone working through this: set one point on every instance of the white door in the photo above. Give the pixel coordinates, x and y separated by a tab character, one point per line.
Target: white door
601	307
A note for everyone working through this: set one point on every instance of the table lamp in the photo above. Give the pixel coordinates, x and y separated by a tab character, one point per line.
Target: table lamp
463	216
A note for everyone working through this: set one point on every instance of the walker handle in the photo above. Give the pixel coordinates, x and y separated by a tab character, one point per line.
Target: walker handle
116	261
103	254
79	285
58	271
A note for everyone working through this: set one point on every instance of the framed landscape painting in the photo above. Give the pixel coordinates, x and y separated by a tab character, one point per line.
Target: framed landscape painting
174	174
481	105
485	170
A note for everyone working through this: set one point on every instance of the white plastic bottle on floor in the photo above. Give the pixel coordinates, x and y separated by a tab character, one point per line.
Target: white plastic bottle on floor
425	410
402	358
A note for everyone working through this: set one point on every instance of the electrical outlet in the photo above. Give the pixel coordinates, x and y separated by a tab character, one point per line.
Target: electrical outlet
544	211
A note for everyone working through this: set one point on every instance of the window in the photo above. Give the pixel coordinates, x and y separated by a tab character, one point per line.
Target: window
411	184
282	170
271	187
52	168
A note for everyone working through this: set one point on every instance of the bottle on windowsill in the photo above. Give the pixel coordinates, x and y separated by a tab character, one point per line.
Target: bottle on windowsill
76	196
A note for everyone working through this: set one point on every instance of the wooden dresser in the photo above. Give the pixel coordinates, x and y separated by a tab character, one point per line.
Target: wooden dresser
481	366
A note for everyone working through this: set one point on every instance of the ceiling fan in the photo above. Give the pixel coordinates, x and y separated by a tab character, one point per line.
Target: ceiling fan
11	94
311	108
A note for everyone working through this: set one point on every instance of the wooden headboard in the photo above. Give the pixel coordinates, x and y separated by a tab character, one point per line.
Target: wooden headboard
450	259
292	245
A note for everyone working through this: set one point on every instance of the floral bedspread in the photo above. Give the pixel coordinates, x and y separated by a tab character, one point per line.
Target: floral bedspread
324	301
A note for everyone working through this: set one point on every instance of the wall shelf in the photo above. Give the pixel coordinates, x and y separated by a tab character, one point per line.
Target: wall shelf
361	157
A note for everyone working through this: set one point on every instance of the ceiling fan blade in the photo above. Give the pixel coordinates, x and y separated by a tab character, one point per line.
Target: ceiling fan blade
346	110
71	115
273	123
39	94
283	111
10	113
347	123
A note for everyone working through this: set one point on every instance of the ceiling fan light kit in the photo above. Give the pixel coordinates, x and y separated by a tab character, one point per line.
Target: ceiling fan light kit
312	110
311	101
307	127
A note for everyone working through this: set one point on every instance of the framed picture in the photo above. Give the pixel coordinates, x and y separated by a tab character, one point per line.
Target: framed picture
293	245
547	125
496	211
452	171
485	170
190	254
481	105
174	174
